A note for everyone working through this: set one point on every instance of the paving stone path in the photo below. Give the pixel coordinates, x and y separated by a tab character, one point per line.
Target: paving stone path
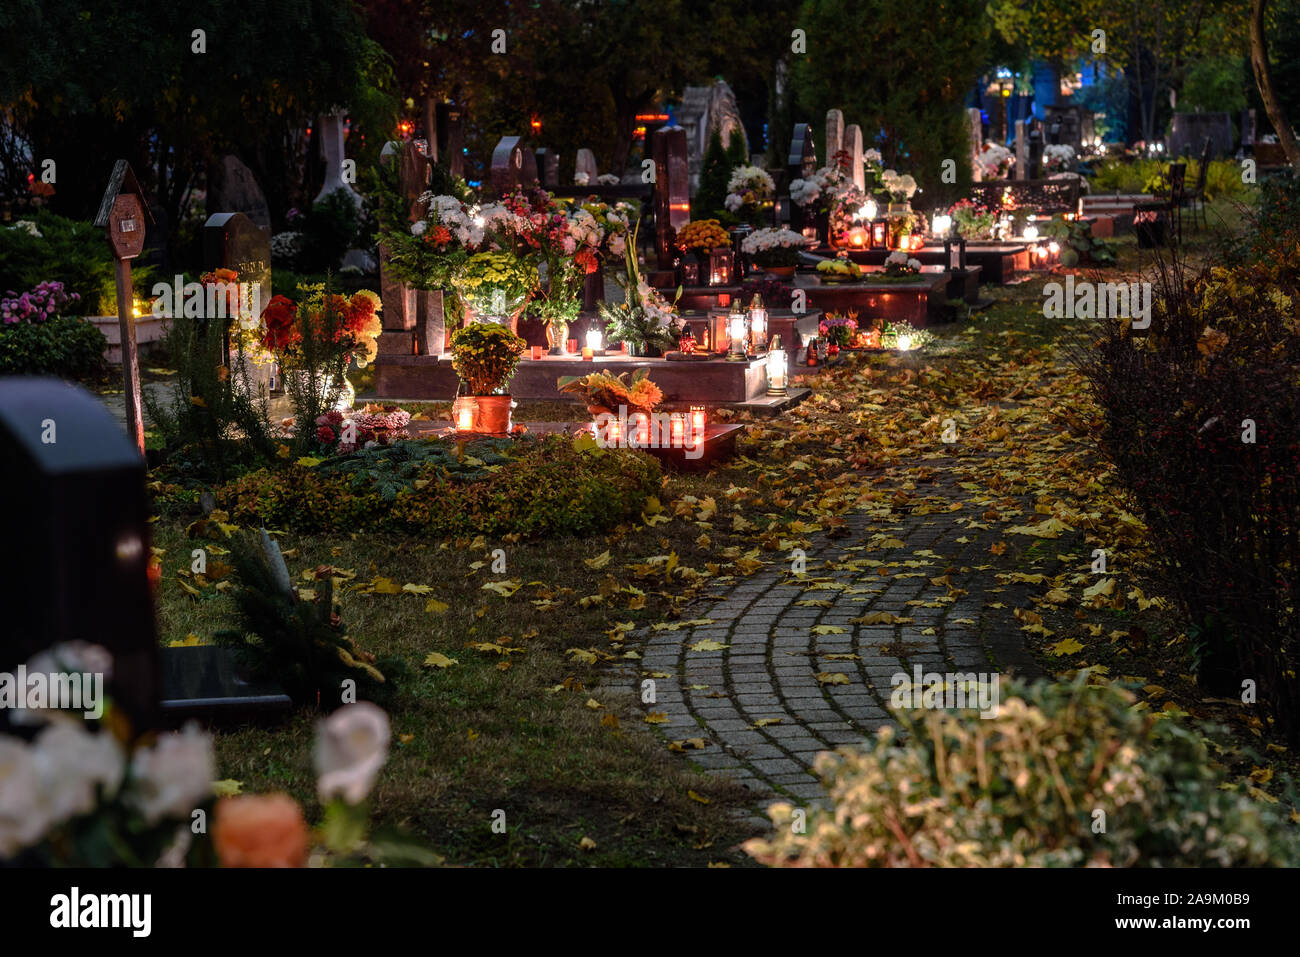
782	631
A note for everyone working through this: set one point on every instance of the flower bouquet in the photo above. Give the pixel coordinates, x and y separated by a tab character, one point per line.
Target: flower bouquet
972	220
839	330
772	247
995	161
604	392
702	236
899	266
495	285
1058	158
750	192
644	320
485	355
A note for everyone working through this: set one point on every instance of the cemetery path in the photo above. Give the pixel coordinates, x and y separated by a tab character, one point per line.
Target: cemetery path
756	677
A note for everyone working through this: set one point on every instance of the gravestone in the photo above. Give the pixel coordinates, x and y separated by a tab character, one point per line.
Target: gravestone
800	164
81	573
548	167
1064	125
451	137
400	311
233	241
233	188
331	133
672	197
585	163
975	130
1188	131
1022	150
512	166
834	134
705	109
1035	152
853	146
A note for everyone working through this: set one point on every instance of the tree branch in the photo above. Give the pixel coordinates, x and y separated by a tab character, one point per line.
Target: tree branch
1264	80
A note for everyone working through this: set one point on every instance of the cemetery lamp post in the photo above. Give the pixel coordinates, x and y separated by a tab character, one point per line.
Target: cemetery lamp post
123	216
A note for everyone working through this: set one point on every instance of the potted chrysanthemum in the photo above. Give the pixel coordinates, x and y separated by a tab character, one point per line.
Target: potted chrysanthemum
775	250
484	355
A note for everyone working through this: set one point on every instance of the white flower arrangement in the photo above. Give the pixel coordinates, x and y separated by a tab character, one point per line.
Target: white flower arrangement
581	179
873	157
900	187
29	226
751	179
995	160
1058	158
769	238
607	179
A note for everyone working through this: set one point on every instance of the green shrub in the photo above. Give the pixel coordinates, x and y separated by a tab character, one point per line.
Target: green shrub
67	347
426	488
1024	788
330	230
73	253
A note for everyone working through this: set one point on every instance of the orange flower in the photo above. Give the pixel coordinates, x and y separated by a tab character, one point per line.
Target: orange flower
260	830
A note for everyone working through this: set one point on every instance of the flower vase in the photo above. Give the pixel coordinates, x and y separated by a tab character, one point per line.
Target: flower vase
557	334
347	393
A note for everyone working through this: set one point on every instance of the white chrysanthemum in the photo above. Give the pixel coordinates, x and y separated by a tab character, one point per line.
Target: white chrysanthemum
419	227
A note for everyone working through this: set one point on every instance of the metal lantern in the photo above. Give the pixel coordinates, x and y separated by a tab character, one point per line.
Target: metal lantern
954	253
778	372
758	323
737	332
879	234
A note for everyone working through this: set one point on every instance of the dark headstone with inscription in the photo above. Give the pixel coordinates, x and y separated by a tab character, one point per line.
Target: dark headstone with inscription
233	241
672	198
513	165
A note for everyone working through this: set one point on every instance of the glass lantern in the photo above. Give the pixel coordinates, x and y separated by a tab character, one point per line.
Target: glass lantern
737	332
778	372
758	323
720	267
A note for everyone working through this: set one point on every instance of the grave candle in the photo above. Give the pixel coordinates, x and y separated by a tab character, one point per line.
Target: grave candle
537	352
758	323
677	430
777	372
736	329
642	429
573	346
593	342
697	422
587	354
879	234
464	419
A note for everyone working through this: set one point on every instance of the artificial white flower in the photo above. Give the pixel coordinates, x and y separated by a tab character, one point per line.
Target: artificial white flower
914	264
896	258
873	156
607	179
71	763
418	227
174	776
351	747
733	202
580	179
23	815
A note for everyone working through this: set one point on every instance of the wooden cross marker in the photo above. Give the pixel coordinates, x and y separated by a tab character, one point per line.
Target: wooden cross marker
123	214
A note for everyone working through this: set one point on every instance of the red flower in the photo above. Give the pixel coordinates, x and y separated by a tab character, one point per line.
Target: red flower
281	332
586	259
325	435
